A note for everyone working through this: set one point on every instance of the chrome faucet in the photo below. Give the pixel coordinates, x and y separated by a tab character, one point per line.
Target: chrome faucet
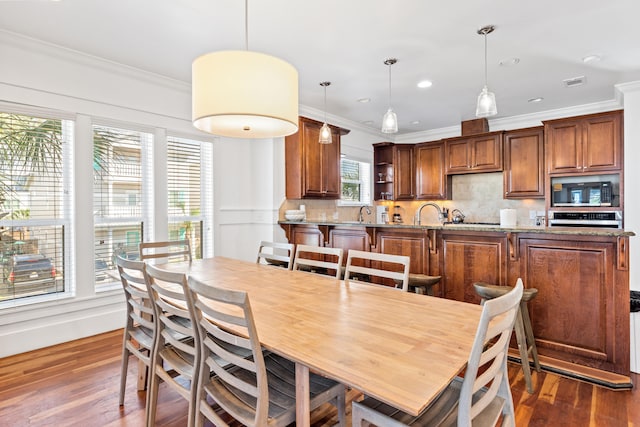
360	216
443	213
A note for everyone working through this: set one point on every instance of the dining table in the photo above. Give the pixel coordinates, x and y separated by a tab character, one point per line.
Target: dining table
399	347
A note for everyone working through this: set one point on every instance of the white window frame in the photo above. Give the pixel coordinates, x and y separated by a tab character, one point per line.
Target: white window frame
364	181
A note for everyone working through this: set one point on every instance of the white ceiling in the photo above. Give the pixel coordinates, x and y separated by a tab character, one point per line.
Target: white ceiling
347	41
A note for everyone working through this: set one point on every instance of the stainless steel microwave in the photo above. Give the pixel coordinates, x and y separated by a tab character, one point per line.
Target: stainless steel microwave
583	194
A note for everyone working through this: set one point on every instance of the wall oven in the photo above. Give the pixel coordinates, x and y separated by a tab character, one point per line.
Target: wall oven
612	219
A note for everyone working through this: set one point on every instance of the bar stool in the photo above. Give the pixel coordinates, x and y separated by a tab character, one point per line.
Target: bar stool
422	283
524	331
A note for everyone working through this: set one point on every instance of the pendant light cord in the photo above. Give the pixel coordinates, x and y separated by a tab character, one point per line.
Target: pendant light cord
325	103
485	60
246	25
390	85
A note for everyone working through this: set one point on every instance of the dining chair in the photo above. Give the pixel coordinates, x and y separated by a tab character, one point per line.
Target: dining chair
477	399
306	259
400	262
165	251
139	329
276	253
258	390
175	357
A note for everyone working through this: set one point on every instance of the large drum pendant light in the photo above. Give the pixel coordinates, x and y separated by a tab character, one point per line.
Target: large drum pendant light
243	94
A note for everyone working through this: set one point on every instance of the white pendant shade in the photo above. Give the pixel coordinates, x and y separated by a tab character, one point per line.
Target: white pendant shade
244	94
325	135
390	122
486	106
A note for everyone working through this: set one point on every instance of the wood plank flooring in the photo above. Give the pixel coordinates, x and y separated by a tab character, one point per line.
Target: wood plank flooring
77	383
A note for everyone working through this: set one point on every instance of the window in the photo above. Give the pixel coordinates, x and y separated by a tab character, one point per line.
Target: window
355	182
188	172
34	155
117	198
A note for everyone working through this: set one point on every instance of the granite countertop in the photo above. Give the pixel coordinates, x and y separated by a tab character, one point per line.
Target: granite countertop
577	231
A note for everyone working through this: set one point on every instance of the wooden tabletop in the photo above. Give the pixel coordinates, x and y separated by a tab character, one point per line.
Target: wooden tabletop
399	347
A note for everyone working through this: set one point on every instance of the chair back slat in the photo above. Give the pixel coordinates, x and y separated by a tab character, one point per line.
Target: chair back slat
402	263
302	259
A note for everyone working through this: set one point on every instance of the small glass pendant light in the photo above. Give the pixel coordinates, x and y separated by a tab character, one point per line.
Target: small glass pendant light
486	104
325	130
390	120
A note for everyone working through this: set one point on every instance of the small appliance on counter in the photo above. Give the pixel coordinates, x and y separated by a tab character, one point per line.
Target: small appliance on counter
397	218
382	214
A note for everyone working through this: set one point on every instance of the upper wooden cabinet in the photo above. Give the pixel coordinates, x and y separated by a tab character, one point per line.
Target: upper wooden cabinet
524	163
432	182
475	153
394	171
312	169
591	143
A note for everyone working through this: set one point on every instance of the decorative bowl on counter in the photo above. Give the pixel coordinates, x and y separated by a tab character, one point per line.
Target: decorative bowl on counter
294	215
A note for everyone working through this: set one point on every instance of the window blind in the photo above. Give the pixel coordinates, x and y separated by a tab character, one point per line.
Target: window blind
117	198
355	182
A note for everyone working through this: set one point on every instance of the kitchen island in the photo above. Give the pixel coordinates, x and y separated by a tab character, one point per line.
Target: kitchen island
581	314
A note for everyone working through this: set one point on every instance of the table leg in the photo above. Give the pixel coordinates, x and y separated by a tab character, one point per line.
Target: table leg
303	407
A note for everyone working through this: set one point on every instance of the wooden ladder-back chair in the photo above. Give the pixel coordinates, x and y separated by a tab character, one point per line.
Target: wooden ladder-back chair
139	329
302	262
170	250
276	253
401	276
175	357
258	390
478	399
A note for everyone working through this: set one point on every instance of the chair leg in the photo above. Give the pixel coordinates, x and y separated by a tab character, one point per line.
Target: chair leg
524	357
531	340
341	405
123	370
152	396
508	411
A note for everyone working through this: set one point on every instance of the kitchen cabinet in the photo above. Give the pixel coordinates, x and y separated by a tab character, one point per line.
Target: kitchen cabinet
524	164
432	183
473	154
312	170
394	171
590	143
581	312
471	257
406	242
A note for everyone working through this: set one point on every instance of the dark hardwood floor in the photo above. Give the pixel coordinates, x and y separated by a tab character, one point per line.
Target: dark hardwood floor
76	384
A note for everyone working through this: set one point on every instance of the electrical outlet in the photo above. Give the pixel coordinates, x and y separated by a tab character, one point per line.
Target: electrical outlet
532	214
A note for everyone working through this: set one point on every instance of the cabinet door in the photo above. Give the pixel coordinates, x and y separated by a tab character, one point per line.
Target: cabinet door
313	178
470	258
404	172
331	167
431	181
602	143
413	245
577	313
458	159
349	238
486	153
306	235
564	147
524	164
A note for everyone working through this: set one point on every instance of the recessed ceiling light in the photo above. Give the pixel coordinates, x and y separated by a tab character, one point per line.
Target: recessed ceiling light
591	58
364	100
538	99
425	84
367	122
415	122
508	62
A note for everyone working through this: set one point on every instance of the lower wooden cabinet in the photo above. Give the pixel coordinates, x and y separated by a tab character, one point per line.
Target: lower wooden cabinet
472	257
581	312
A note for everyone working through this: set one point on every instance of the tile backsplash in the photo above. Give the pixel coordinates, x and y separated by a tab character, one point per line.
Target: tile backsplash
478	196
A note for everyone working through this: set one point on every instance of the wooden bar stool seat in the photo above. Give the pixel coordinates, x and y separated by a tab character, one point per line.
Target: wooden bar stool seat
524	331
422	283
